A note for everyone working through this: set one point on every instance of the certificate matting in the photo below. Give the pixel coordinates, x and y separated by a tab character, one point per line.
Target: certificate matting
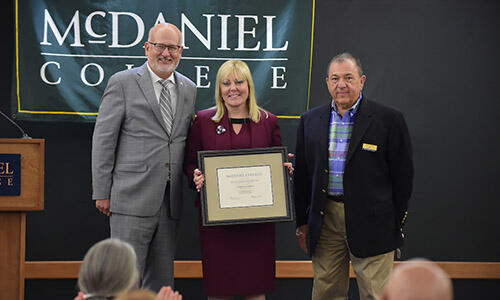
245	186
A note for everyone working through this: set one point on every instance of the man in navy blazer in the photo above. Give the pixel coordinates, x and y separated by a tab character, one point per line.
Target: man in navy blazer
353	179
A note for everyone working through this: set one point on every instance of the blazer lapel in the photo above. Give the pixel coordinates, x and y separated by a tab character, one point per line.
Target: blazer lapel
256	132
324	130
223	141
179	106
363	120
146	85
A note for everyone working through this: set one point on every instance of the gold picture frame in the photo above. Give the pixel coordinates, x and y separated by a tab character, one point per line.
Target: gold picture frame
245	186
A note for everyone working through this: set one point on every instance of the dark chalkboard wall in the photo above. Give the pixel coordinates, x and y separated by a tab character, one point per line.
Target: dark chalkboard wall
434	60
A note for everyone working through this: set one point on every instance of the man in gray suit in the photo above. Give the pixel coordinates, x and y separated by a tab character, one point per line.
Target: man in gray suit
137	154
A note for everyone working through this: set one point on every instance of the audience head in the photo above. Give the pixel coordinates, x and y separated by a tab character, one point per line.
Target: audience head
108	270
418	279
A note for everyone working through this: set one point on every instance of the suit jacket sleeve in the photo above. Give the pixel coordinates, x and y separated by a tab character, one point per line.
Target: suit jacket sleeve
401	167
106	134
302	182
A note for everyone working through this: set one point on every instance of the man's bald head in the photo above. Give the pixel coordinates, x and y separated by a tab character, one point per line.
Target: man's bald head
164	27
418	280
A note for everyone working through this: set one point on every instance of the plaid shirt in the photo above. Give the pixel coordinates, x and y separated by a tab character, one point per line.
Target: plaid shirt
338	144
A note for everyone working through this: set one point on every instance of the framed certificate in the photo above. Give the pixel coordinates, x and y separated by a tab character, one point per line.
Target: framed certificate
245	186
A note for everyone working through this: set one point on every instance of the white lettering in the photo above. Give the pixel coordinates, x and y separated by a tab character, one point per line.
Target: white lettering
242	32
223	32
269	36
99	69
276	77
90	30
44	77
185	22
160	19
140	29
75	23
199	76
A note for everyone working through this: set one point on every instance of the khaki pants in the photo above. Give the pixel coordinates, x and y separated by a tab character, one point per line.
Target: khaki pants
331	262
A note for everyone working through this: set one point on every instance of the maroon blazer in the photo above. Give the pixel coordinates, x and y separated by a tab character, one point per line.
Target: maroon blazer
203	135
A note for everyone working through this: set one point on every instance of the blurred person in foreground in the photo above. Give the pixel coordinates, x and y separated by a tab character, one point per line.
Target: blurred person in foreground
418	279
109	271
237	259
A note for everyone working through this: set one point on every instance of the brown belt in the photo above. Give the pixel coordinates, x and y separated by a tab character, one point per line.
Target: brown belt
336	198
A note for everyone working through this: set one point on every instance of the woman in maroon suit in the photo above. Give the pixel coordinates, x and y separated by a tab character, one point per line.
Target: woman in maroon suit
237	259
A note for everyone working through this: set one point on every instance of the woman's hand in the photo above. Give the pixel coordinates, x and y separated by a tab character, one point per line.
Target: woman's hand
289	165
198	179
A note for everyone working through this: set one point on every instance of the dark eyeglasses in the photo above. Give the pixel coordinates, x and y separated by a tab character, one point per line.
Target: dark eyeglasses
161	47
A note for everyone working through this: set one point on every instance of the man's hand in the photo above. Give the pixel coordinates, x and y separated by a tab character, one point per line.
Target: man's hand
289	165
103	206
80	296
301	234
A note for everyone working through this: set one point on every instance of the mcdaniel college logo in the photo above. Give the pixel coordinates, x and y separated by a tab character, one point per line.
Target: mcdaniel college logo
10	174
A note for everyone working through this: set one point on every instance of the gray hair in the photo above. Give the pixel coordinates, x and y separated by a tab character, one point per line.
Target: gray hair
339	58
108	270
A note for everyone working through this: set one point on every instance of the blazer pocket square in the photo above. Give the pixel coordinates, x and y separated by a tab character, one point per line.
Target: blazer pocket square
369	147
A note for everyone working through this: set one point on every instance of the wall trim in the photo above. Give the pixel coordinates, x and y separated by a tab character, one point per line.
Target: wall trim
284	269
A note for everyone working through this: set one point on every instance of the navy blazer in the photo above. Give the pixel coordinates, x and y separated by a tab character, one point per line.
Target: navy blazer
377	184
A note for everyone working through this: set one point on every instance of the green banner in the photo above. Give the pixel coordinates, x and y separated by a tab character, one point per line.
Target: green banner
67	50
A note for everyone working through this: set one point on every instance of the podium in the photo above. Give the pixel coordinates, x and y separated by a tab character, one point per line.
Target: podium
13	210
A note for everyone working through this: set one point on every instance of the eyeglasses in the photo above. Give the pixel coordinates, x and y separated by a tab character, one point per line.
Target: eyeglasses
161	47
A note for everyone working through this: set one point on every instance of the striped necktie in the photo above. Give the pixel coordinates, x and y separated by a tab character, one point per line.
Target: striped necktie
166	105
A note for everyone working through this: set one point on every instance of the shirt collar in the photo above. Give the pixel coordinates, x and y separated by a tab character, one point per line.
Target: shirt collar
352	111
156	78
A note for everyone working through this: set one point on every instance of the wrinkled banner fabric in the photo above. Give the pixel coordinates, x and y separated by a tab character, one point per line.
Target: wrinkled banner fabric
67	50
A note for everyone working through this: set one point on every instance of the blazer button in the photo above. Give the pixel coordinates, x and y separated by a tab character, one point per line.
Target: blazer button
322	213
323	190
326	170
167	165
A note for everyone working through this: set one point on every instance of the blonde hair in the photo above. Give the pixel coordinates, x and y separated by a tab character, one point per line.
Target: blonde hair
108	270
240	71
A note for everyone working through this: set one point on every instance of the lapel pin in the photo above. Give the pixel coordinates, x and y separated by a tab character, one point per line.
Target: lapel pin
369	147
220	129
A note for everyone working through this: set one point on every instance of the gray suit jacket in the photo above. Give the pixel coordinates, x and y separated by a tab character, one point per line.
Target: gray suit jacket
133	157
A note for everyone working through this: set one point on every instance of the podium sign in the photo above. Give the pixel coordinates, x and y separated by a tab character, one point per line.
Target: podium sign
21	189
10	174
